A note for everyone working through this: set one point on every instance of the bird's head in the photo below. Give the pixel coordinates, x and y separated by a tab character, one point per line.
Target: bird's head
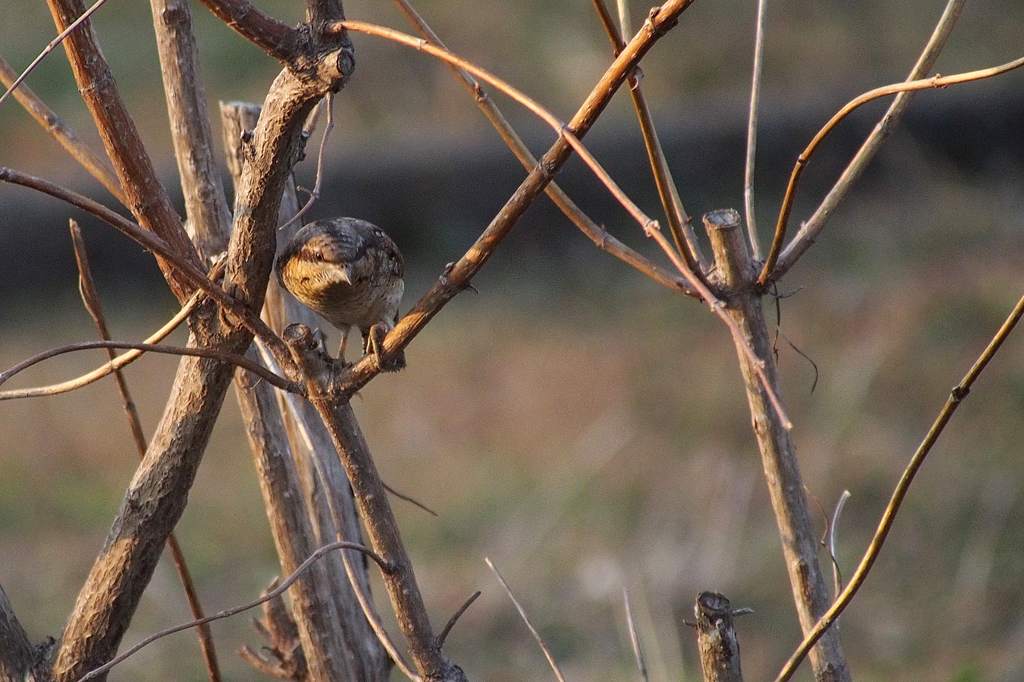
321	255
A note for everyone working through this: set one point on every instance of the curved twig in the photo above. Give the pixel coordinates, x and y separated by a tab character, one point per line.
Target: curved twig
956	396
235	610
455	618
120	361
752	117
810	229
237	360
597	234
869	96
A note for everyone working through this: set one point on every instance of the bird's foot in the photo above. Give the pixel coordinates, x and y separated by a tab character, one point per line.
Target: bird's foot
375	347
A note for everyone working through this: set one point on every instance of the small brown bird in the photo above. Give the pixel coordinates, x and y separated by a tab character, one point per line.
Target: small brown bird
350	272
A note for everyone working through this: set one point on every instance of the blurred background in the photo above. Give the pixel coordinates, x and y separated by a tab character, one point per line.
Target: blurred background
584	428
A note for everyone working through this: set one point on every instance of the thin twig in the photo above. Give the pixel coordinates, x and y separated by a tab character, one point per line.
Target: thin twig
238	360
650	226
634	638
158	246
121	360
235	610
315	193
678	221
50	47
833	541
812	227
91	300
411	500
871	95
755	101
559	126
526	619
956	396
96	165
596	233
455	618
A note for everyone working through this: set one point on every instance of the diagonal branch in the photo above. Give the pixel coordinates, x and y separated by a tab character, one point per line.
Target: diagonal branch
809	231
145	196
97	166
274	37
956	396
458	276
91	300
678	221
17	655
596	233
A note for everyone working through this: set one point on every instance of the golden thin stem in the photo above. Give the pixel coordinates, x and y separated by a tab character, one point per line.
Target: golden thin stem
956	396
862	99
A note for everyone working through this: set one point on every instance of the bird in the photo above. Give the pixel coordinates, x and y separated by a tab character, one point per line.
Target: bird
349	271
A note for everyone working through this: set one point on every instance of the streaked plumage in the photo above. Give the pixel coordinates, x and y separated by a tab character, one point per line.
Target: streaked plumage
349	271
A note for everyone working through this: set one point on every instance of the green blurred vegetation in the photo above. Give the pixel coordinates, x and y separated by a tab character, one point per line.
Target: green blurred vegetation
580	426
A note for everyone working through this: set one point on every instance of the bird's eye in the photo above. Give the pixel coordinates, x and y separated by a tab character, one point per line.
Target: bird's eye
319	255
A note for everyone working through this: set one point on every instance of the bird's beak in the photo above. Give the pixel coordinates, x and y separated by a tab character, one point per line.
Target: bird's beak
346	274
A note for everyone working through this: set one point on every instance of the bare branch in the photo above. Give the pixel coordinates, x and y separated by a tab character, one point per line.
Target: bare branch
833	541
526	619
314	194
956	396
145	195
455	618
735	271
17	655
91	300
274	37
678	221
151	242
458	277
209	222
121	360
755	101
96	165
212	353
563	129
716	638
885	126
235	610
596	233
50	47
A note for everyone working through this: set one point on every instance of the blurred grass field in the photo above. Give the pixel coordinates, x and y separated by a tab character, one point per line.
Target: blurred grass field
580	426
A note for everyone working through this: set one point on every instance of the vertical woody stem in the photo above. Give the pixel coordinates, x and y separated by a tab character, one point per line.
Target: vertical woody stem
736	274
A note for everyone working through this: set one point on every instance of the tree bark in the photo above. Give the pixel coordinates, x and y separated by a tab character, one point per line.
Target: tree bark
716	639
735	275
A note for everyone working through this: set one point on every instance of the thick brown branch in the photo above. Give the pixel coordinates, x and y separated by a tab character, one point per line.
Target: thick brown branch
145	195
274	37
209	221
956	396
97	166
336	640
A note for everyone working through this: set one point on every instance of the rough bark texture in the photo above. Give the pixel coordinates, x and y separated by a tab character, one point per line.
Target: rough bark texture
327	613
735	274
716	639
157	493
209	221
374	508
17	655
